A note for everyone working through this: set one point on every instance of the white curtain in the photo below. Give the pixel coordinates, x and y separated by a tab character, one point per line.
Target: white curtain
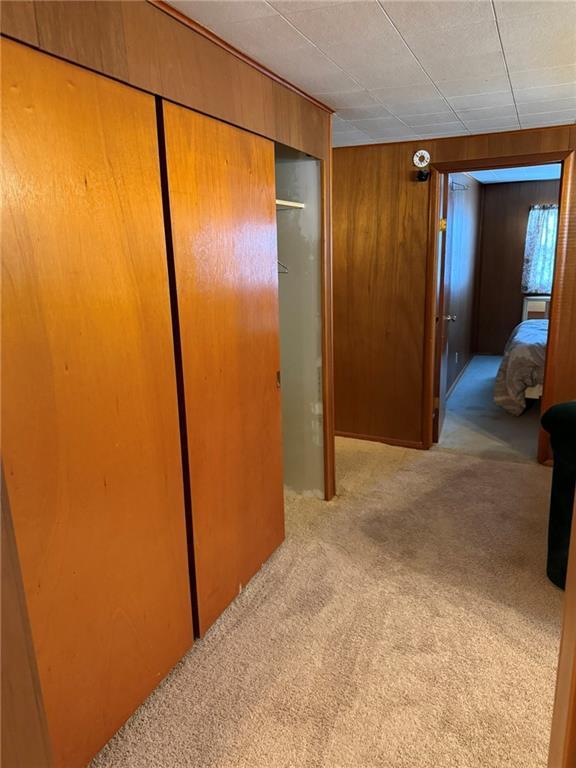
540	249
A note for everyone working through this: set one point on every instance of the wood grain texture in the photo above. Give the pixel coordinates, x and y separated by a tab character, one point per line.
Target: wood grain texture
378	293
383	331
560	375
142	45
89	414
504	222
441	299
222	199
327	326
25	741
461	256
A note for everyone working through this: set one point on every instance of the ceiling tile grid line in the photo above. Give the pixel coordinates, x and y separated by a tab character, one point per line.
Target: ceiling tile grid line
412	69
391	110
324	53
419	62
505	60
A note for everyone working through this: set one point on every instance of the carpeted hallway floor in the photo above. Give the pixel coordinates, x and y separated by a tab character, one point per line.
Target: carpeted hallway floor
406	624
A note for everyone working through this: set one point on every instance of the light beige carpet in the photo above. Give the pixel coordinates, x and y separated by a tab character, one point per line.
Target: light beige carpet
407	624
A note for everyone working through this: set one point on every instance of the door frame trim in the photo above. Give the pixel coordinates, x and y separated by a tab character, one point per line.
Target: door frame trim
567	180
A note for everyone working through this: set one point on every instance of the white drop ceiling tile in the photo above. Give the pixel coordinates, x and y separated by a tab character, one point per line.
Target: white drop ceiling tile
532	78
488	124
545	107
540	40
433	46
480	84
347	99
482	100
263	37
338	123
348	142
339	24
471	66
293	6
545	93
479	130
371	124
506	9
437	17
379	63
422	107
405	94
551	118
361	112
311	71
444	118
437	132
487	113
353	135
216	14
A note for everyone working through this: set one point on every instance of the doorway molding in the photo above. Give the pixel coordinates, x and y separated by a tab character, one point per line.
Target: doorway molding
562	311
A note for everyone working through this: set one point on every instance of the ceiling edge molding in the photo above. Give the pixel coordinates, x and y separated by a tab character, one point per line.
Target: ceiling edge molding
209	35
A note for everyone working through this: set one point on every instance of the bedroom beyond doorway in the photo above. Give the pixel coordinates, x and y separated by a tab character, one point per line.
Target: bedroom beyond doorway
496	270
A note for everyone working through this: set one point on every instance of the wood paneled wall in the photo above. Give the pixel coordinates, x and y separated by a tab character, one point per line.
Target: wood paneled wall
382	328
461	263
140	44
503	234
90	431
380	240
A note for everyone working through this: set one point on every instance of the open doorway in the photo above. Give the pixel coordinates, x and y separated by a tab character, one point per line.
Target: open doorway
495	282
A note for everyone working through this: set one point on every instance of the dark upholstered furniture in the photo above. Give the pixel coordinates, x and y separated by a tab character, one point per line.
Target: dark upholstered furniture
560	422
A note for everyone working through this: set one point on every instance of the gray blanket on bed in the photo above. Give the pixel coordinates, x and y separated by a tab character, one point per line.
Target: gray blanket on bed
522	365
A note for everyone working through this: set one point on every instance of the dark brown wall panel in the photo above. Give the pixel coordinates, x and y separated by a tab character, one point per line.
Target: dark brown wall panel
378	293
380	254
90	432
461	263
504	221
224	230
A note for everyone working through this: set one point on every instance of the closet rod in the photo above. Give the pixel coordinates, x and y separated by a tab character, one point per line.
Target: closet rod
287	205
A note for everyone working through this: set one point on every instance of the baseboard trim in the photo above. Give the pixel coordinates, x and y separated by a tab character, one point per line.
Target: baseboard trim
418	445
457	379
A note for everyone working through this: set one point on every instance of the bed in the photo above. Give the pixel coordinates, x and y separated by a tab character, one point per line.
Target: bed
521	372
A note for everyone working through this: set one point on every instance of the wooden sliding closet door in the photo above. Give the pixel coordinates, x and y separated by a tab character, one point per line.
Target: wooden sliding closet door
222	201
90	431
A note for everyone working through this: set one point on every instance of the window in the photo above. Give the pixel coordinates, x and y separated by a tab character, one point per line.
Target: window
540	249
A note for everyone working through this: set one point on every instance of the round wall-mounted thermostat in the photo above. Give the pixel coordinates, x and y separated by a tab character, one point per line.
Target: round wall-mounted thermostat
421	158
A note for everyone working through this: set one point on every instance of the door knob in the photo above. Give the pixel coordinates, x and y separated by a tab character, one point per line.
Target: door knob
450	317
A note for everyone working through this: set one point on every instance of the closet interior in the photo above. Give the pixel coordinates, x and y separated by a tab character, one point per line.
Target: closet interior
299	231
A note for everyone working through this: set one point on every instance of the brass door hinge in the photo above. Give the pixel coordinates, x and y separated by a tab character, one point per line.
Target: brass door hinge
442	225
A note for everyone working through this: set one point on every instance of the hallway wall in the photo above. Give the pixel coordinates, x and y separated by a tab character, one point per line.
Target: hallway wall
381	261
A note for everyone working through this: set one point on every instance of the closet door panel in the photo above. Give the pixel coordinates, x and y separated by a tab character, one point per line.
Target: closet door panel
222	201
90	427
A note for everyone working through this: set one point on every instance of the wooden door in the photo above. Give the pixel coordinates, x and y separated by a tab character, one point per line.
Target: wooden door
222	201
442	318
90	431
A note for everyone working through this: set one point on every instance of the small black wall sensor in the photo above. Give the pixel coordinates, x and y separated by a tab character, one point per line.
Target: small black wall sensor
423	175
